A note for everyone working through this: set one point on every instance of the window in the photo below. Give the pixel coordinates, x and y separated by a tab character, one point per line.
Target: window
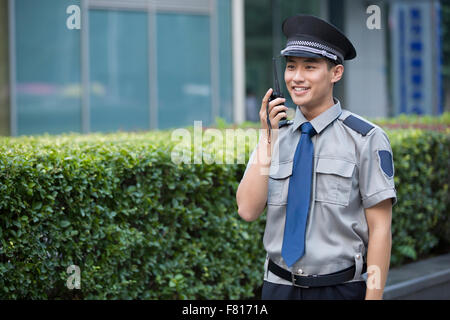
48	90
160	66
184	74
118	64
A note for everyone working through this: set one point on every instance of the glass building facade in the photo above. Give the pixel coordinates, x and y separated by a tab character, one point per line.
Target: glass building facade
47	68
156	64
131	65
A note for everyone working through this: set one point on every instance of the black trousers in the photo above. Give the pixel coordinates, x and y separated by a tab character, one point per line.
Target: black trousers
346	291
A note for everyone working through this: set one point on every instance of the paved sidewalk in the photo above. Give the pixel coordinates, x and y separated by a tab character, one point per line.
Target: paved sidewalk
427	279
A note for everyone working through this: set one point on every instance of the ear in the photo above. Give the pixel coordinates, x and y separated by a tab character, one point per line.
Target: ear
337	72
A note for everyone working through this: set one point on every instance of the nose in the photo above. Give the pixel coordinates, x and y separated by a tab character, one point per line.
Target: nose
298	76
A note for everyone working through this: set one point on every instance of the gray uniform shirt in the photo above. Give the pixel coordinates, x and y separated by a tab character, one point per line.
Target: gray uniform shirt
353	170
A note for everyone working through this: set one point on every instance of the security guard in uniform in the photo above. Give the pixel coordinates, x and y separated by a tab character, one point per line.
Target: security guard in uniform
327	179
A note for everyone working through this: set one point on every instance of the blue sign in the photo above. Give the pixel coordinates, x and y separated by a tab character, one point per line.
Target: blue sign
417	57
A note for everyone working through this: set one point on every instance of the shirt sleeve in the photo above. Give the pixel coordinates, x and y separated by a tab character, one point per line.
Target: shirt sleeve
376	170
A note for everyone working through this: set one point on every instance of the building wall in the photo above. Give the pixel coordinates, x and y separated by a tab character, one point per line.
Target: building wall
366	76
4	70
131	66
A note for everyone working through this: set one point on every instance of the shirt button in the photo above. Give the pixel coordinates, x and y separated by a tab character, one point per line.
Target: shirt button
358	256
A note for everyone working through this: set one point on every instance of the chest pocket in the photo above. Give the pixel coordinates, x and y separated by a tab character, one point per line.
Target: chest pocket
334	180
279	183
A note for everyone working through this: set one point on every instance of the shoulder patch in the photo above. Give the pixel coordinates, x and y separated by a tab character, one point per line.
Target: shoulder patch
358	125
386	162
284	123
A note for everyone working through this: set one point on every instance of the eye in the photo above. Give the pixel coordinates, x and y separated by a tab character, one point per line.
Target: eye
309	67
290	66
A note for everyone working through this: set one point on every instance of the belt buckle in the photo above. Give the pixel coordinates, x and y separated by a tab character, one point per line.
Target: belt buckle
293	280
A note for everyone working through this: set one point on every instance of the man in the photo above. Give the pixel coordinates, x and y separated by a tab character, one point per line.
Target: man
327	179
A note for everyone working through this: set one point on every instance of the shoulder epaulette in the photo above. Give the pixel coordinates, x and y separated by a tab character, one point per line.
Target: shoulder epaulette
358	125
284	123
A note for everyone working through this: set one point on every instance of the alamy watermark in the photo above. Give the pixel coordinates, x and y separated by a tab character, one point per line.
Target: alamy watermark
74	20
74	280
373	277
374	20
220	146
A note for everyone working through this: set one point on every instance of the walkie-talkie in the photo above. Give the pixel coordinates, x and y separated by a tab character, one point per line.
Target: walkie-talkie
276	93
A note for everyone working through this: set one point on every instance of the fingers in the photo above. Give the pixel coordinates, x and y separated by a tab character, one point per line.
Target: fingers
262	111
276	109
278	117
266	99
279	112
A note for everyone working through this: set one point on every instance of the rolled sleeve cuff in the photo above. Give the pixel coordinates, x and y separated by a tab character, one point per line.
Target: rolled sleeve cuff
378	197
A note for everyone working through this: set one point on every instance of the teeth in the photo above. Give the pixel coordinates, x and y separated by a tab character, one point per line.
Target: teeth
300	89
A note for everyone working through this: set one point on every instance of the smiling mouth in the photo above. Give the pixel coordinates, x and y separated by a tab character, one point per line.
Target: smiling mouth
300	90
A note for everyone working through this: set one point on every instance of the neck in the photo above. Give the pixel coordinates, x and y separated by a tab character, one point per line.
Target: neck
310	112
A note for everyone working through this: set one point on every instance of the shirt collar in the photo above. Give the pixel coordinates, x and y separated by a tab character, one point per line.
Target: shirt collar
322	120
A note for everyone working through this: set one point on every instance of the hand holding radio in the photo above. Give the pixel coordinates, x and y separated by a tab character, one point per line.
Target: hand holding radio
272	102
272	111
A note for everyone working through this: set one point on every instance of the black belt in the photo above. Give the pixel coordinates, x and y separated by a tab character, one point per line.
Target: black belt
306	281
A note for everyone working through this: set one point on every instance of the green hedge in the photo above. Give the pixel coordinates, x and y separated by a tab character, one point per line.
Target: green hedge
444	119
136	224
421	216
403	119
142	227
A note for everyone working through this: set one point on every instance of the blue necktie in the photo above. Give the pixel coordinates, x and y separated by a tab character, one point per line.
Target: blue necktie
299	193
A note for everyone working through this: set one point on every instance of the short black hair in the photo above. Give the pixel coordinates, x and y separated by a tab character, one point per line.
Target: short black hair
330	63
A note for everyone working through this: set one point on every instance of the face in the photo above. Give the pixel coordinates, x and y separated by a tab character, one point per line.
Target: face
309	81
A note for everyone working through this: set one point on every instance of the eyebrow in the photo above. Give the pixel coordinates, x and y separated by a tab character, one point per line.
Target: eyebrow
308	60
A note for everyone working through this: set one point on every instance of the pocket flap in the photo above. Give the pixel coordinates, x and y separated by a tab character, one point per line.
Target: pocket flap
280	170
339	167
